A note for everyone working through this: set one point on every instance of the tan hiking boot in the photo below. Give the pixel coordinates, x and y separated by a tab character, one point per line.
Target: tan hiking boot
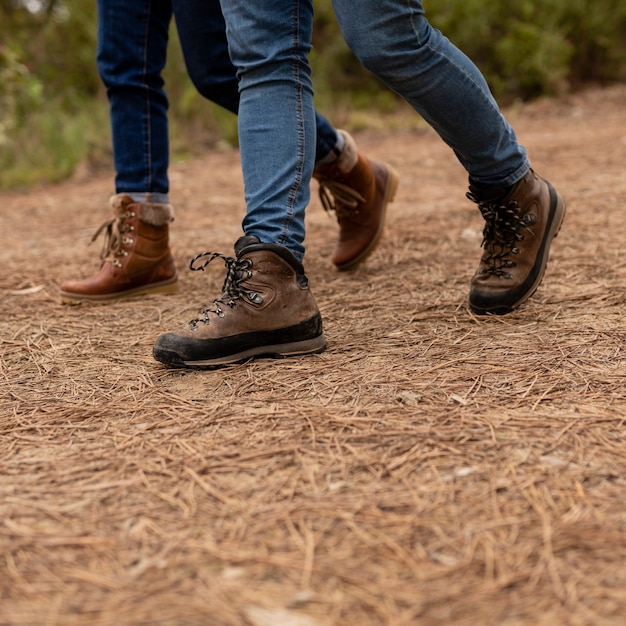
358	190
266	309
519	229
136	257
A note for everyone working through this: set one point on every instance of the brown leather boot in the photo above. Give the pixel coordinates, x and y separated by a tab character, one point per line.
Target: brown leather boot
358	190
136	257
519	228
266	309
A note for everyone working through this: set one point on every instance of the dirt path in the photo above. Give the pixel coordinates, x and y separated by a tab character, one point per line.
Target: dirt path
429	468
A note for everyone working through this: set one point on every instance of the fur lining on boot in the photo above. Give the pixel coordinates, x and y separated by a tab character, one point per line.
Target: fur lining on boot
349	155
156	214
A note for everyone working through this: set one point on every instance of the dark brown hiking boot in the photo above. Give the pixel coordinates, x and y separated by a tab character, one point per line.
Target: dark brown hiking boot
266	309
358	190
136	257
519	228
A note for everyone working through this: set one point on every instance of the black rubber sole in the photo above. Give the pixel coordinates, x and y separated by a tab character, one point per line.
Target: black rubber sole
277	351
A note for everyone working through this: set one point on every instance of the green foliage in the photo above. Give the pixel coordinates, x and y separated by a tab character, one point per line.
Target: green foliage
53	110
597	32
20	93
48	91
537	47
50	146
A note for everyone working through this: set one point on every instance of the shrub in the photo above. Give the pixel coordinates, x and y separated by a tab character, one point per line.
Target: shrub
53	108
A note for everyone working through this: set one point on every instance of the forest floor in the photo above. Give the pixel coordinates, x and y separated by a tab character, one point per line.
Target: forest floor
429	468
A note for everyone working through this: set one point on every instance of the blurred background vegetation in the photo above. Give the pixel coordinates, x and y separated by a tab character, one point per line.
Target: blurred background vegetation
54	113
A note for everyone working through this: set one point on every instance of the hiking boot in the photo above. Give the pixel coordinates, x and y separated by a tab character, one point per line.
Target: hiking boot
519	228
266	309
136	257
358	191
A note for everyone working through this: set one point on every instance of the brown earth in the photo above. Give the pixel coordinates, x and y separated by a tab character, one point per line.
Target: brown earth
429	468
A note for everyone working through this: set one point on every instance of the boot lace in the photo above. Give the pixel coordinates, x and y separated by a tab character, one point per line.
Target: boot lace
115	237
339	197
504	229
237	271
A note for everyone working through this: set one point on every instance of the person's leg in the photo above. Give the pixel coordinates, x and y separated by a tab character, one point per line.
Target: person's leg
356	189
523	213
395	42
136	258
266	307
202	34
269	44
132	48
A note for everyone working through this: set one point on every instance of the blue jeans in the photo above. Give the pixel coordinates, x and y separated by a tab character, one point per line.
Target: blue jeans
269	43
131	55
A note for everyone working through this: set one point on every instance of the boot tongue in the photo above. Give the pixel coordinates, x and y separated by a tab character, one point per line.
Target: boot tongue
489	194
251	243
244	242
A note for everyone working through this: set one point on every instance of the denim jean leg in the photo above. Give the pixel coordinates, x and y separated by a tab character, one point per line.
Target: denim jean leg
394	40
269	42
327	137
202	33
132	48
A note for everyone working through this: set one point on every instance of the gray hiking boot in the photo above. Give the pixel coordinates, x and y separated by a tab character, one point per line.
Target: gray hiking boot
519	228
266	309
